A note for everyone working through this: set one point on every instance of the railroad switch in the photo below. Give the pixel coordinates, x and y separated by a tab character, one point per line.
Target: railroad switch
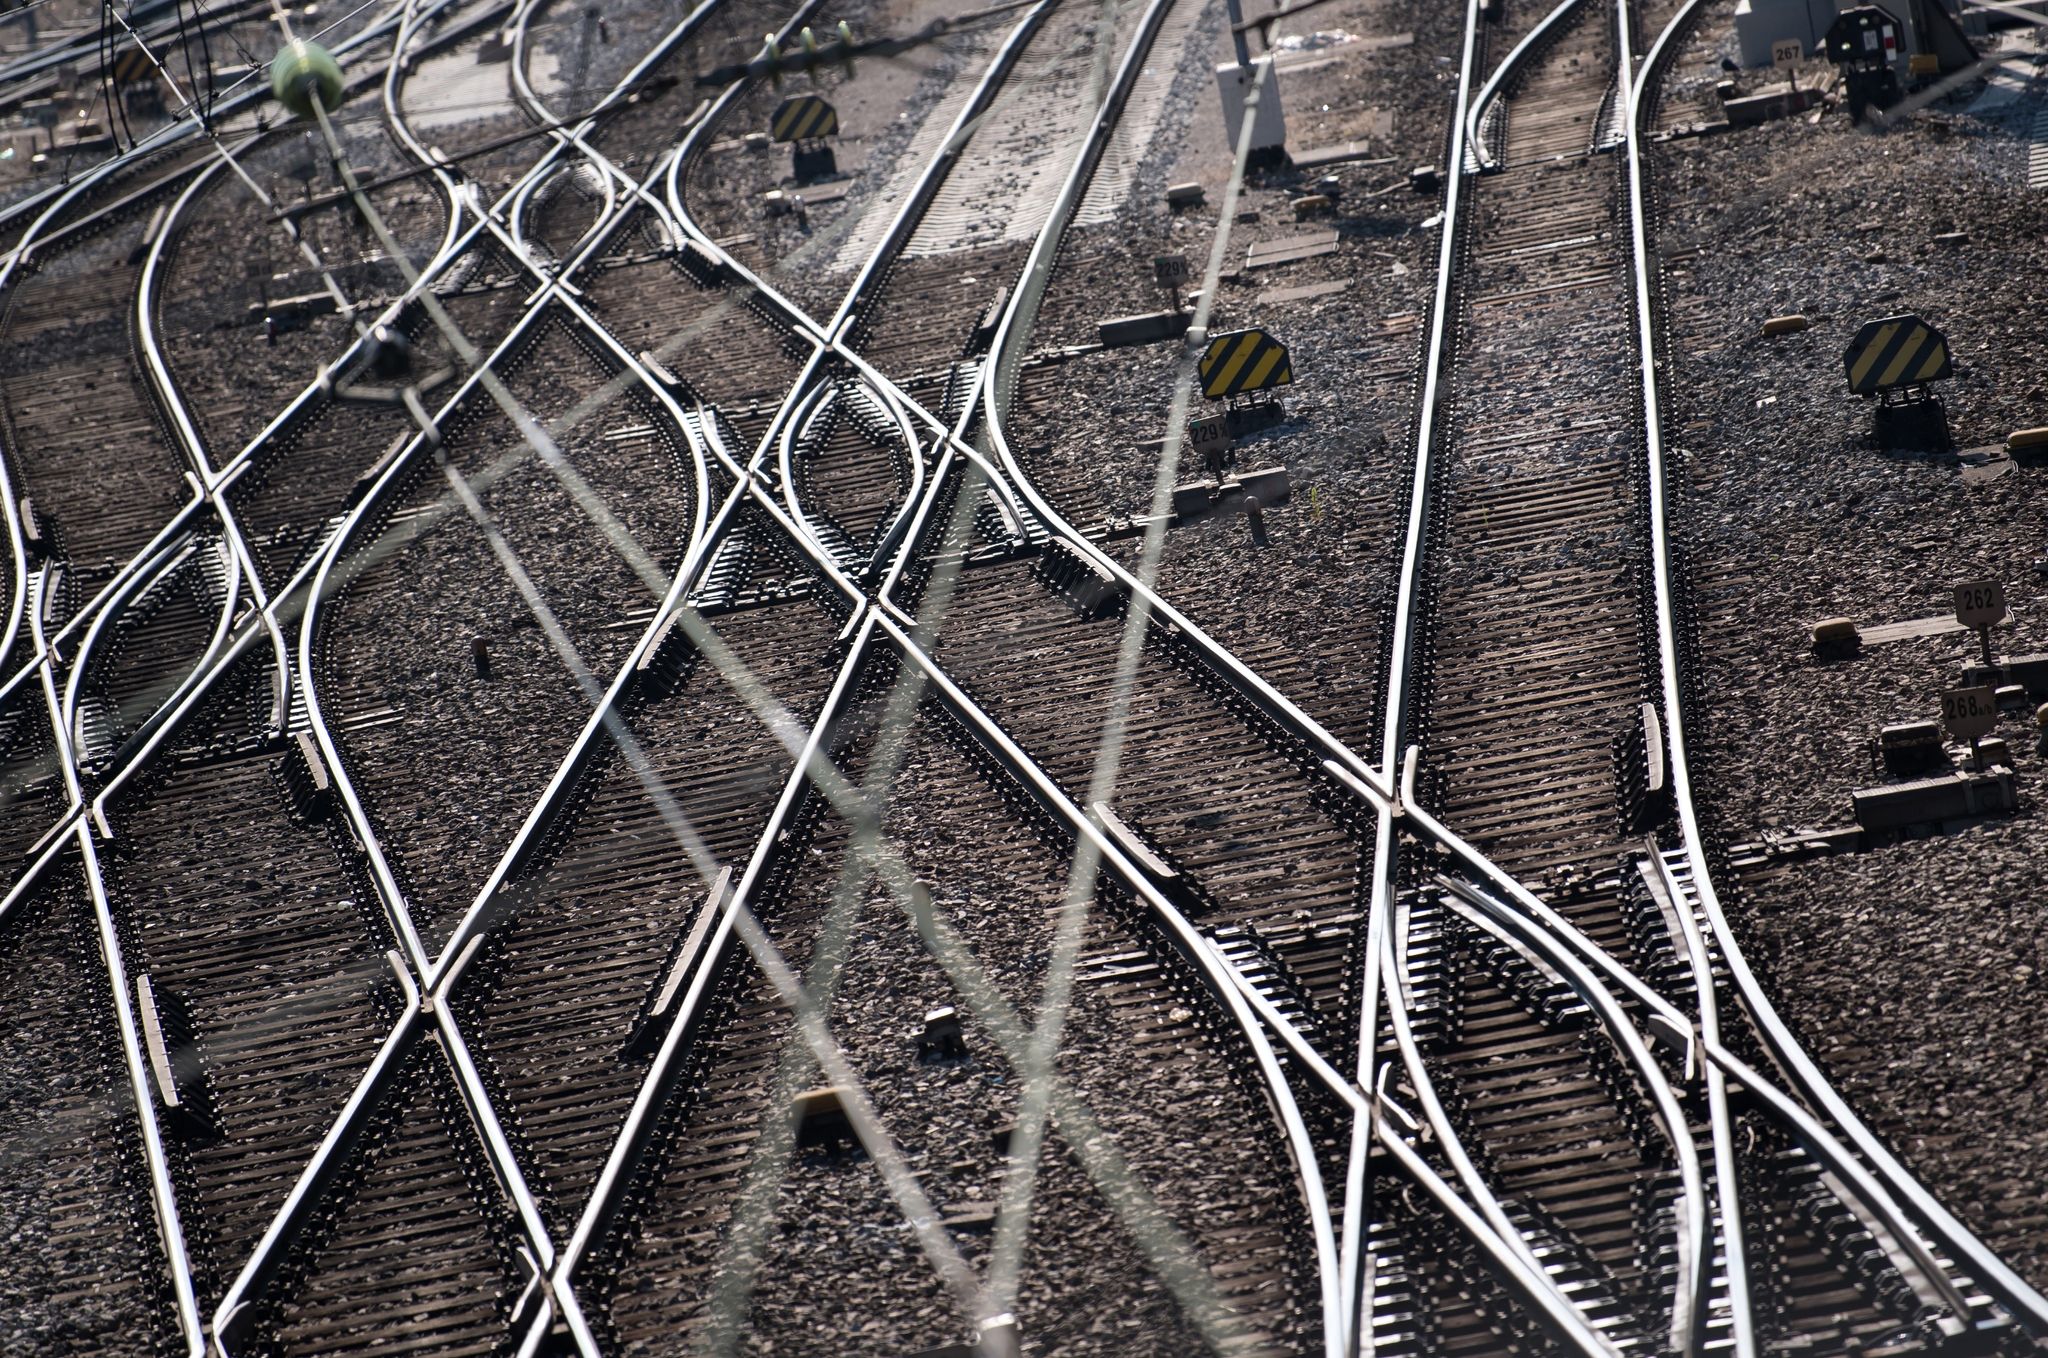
941	1038
975	1215
35	542
1909	748
307	787
1642	785
1928	802
1222	494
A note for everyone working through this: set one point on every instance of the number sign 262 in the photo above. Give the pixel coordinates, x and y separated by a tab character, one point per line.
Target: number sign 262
1980	603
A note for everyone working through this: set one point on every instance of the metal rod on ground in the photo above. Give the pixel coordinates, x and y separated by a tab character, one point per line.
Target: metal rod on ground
1237	32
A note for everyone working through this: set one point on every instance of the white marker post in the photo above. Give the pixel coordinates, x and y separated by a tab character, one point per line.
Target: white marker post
1981	604
1170	272
1786	54
1209	436
1968	713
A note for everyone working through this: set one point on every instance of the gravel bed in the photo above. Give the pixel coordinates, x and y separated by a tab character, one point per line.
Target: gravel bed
1914	969
1202	1145
81	1272
456	777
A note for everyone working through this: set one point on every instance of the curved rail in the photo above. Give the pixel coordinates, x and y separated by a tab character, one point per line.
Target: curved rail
1479	153
885	614
1989	1272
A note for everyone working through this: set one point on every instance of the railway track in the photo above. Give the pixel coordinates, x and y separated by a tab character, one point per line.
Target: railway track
1538	529
560	1085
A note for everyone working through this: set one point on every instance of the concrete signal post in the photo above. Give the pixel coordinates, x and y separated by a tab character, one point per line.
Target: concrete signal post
1254	86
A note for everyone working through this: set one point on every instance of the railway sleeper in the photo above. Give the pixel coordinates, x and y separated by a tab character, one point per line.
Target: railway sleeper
1578	1275
1627	1095
1432	957
1246	948
1656	935
1091	591
1810	1194
1532	982
1403	1323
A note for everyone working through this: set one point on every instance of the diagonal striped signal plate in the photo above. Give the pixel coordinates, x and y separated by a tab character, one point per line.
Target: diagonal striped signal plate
802	117
132	65
1897	351
1243	361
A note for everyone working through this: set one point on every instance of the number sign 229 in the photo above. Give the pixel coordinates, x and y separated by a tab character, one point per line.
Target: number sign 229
1210	434
1969	712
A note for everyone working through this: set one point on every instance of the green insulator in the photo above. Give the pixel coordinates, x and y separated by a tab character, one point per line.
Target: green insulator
300	68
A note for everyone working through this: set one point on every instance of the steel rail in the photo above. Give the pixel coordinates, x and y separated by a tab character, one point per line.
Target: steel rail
163	1196
909	514
1182	936
1011	328
1734	1235
499	1153
15	257
1510	1264
142	585
455	243
1721	1124
652	1090
902	226
167	1208
1380	906
171	134
1691	1223
450	959
601	1203
1869	1192
496	1147
1988	1271
815	409
397	471
1268	700
809	409
522	85
1479	152
400	468
141	747
186	432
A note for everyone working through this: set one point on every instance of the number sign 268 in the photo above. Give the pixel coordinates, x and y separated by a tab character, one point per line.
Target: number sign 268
1969	712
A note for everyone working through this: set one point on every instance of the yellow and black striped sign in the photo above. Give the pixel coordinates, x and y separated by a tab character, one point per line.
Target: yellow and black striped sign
132	65
803	117
1243	361
1897	351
